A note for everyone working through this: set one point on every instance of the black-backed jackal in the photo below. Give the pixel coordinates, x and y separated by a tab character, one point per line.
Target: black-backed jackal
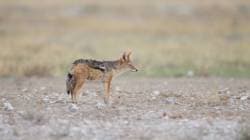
86	69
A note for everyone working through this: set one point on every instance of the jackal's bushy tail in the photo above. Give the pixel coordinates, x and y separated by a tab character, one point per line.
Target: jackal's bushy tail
70	81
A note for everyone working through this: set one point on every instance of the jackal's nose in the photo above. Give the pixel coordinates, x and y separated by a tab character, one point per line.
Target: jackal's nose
135	70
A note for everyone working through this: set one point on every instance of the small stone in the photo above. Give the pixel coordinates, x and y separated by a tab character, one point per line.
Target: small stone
117	88
46	99
87	92
156	93
35	90
125	122
100	105
7	106
243	98
224	91
73	108
24	90
42	88
171	100
236	97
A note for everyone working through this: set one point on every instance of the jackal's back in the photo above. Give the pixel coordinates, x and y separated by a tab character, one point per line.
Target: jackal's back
99	65
89	69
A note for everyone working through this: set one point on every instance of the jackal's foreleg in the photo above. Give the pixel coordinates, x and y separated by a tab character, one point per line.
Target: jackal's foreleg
107	85
77	90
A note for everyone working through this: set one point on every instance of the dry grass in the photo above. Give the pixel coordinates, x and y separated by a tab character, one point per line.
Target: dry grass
169	38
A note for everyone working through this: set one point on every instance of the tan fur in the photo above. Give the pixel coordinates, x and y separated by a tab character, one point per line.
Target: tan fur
105	71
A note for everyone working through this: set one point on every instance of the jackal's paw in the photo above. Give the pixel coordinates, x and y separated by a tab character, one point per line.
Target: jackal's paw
108	101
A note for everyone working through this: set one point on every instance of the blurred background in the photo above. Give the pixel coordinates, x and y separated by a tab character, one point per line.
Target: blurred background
168	37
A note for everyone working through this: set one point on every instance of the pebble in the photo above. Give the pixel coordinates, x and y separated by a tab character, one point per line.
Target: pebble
156	93
117	88
4	99
125	122
46	99
24	90
224	91
99	105
35	90
7	106
170	100
73	108
42	88
243	98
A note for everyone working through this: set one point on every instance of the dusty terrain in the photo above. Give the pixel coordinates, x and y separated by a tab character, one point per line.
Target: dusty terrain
176	109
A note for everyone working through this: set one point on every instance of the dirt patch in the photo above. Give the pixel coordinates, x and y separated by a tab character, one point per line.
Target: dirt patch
178	109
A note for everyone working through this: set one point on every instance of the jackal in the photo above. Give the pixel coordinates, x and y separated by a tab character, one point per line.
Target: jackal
87	69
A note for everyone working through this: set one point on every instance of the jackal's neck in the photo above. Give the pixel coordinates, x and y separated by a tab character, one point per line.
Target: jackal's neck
111	65
118	69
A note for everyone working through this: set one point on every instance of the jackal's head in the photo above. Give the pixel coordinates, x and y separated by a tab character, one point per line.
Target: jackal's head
125	63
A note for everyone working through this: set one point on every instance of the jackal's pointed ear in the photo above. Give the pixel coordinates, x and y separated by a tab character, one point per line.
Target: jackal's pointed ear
123	57
128	55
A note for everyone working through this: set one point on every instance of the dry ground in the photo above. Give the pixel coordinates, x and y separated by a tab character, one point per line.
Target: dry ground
174	109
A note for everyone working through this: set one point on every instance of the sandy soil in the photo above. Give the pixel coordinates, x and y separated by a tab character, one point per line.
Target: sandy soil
172	108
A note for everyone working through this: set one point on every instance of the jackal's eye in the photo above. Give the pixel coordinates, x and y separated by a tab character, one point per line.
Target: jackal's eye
130	65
